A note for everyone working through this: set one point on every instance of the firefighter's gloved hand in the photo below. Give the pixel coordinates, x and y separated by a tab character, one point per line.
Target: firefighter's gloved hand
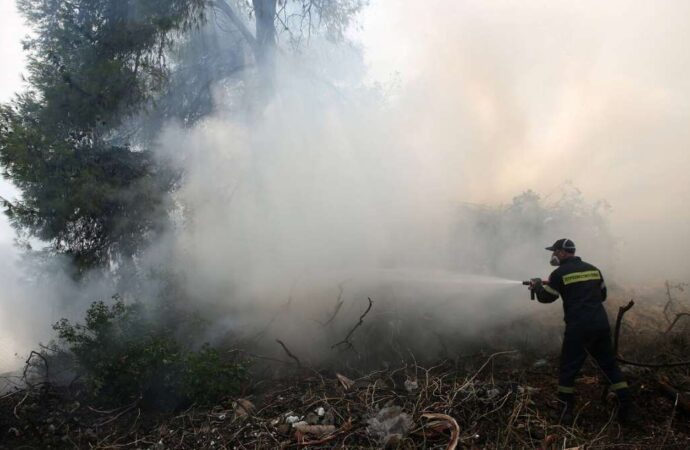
535	284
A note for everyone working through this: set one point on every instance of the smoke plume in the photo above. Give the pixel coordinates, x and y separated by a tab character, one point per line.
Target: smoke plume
357	181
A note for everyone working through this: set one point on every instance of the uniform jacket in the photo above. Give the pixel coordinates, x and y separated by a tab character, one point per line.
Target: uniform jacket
582	288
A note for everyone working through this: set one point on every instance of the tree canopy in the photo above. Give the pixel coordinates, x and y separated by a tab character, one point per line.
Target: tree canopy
88	187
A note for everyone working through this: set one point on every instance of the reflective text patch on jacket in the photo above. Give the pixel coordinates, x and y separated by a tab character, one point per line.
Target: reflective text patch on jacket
582	288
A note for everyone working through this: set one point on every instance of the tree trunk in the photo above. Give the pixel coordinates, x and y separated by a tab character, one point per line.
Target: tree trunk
265	51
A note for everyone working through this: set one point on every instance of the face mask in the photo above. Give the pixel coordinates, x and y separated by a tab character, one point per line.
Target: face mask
555	261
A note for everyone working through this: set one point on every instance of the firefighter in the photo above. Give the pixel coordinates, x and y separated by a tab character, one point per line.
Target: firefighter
587	331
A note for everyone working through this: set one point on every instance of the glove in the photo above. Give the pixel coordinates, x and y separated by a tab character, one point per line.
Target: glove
535	284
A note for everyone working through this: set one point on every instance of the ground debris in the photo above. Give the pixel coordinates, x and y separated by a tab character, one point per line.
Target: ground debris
389	426
465	406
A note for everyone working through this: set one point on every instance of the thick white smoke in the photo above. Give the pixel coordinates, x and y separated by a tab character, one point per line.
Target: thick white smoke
363	185
333	183
535	93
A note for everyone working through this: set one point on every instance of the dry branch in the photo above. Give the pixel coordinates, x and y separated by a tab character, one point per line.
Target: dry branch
338	304
678	316
27	365
289	353
619	320
621	312
347	341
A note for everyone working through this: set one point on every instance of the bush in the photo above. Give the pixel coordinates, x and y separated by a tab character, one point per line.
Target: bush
124	353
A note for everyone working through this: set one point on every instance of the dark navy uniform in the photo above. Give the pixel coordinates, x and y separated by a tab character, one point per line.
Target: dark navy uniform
587	331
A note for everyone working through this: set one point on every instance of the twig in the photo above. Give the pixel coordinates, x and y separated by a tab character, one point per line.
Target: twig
669	301
491	357
678	316
120	414
19	404
338	304
289	353
347	341
27	365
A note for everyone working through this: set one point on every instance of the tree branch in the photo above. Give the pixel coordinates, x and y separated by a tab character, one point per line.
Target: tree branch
619	320
346	341
289	353
678	316
226	9
621	312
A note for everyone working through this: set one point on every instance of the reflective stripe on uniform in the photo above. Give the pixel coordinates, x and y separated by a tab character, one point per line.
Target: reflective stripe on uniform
578	277
619	386
566	389
551	290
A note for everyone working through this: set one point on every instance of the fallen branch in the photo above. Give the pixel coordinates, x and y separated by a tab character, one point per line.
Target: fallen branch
621	312
347	341
289	353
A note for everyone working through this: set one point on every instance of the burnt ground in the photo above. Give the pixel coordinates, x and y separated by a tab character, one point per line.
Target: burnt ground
499	399
502	400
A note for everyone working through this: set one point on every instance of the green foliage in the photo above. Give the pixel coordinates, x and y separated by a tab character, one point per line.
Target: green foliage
125	353
89	59
91	64
97	79
207	377
90	200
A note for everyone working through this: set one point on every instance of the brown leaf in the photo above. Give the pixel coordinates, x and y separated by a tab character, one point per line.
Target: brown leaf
455	432
345	381
243	407
315	430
